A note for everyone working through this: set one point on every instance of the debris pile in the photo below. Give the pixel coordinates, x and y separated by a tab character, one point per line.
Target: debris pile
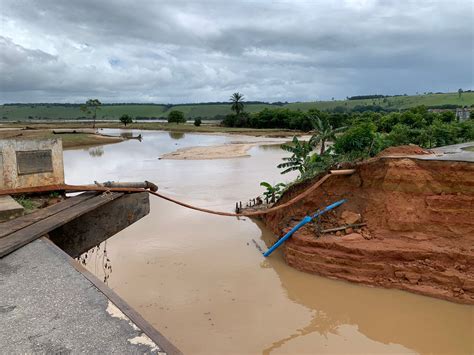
349	223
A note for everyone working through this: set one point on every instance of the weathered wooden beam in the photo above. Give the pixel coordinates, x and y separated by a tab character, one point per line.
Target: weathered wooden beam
16	224
92	228
343	227
15	240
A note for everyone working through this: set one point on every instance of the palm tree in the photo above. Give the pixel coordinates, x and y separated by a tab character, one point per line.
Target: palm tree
237	103
300	156
323	132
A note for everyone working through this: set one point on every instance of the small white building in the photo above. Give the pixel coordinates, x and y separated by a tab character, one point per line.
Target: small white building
463	114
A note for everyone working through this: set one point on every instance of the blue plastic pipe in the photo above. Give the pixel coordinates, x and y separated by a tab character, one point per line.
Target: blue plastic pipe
305	220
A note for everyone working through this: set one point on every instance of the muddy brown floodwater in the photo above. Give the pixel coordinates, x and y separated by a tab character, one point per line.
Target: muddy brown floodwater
201	280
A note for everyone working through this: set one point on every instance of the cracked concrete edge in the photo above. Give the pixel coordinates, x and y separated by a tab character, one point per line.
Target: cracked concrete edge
120	309
142	339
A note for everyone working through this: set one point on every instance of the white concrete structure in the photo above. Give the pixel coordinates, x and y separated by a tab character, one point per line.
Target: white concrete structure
29	163
463	114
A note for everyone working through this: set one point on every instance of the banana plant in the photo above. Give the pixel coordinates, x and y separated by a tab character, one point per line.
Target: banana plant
273	192
300	157
323	132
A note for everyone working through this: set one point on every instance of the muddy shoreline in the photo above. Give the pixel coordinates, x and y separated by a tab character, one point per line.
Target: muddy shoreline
222	151
161	126
71	139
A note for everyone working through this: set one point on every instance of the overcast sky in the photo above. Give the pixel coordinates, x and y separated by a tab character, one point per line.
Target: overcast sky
190	51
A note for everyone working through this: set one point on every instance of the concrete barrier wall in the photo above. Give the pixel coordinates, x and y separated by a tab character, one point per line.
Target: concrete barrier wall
29	163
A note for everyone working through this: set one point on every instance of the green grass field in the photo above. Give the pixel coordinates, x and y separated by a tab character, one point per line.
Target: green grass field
394	102
113	112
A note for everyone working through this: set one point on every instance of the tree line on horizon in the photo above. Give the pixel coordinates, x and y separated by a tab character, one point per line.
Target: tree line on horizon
249	102
360	136
355	135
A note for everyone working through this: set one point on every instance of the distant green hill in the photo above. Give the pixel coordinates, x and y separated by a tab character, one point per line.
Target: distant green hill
209	111
393	102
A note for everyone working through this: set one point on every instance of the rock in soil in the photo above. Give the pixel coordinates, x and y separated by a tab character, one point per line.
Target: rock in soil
348	217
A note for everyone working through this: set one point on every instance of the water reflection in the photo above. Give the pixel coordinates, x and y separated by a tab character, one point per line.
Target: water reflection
274	147
129	135
96	151
126	134
176	135
320	323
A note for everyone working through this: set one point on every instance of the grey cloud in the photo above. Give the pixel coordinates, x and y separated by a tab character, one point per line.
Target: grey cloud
179	51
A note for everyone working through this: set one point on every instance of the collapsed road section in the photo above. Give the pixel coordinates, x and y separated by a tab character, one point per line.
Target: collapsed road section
408	223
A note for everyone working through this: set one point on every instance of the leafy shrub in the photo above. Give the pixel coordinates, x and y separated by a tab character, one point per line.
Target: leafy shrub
126	119
444	133
466	131
359	139
27	203
400	135
448	116
176	116
272	193
319	163
412	119
234	120
387	122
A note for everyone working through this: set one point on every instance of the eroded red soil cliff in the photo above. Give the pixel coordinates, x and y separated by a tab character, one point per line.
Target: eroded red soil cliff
419	235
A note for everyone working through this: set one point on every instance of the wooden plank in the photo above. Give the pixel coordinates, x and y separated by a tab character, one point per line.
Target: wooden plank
343	227
9	227
34	231
160	340
70	188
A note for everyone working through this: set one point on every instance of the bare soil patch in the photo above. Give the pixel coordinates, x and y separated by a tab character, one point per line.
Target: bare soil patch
70	140
404	150
223	151
419	232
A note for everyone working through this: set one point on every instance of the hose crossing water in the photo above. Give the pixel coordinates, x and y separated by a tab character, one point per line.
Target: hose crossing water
151	188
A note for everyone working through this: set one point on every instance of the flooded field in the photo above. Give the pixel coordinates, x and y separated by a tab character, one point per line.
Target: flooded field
202	282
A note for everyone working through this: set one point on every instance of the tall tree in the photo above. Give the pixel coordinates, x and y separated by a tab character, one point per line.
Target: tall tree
126	119
237	104
176	116
323	132
460	91
90	107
